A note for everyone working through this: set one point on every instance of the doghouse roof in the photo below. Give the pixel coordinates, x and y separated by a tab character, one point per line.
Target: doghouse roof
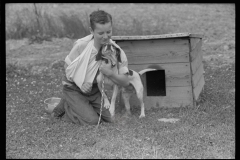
144	37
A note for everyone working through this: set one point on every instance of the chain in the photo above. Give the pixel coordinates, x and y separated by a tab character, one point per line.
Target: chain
101	101
96	129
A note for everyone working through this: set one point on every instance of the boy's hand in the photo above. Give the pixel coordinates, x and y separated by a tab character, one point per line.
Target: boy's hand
86	87
105	68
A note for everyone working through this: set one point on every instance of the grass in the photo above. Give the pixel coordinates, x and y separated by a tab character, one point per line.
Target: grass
203	132
33	73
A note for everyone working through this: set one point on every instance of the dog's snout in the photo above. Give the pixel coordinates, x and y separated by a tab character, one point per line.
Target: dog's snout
106	61
109	47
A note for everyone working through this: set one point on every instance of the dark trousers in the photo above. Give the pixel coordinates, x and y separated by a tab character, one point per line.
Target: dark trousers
81	108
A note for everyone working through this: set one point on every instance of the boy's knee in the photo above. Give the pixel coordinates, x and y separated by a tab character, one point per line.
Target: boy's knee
108	119
93	121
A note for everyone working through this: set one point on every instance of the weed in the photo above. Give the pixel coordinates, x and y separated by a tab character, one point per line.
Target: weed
137	27
14	70
73	27
52	28
44	25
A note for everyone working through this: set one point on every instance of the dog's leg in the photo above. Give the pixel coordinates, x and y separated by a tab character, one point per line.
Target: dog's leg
139	92
114	96
126	96
140	97
136	82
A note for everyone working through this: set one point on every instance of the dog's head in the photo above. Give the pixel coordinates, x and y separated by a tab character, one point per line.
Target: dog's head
108	52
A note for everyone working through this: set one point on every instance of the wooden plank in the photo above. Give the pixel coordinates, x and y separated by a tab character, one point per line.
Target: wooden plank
176	74
198	89
196	47
156	51
175	81
197	75
175	97
171	69
196	63
150	37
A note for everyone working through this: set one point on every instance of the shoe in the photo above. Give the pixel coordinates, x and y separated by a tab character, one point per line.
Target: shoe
59	110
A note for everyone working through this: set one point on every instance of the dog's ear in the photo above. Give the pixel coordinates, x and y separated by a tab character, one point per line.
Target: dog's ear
99	54
118	55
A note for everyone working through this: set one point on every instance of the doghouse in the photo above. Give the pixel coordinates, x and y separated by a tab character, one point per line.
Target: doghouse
178	80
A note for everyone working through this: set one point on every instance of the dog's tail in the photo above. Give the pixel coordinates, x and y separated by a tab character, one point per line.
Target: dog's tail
146	70
152	67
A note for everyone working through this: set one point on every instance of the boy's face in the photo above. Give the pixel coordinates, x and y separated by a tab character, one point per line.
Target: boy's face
102	33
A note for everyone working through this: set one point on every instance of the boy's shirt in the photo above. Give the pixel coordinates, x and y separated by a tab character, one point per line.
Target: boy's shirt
78	49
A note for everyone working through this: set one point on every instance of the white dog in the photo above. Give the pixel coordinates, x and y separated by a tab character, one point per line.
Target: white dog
110	53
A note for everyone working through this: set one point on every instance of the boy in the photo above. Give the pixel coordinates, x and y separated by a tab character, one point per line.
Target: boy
81	100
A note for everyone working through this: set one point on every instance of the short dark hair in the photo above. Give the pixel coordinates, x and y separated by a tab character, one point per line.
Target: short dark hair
99	16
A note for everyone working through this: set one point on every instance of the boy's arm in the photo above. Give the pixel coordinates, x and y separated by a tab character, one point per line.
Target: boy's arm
74	53
120	79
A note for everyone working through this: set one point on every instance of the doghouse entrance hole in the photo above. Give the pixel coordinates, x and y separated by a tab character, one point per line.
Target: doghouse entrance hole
156	83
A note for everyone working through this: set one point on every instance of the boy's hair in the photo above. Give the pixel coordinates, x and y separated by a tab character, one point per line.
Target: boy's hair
99	16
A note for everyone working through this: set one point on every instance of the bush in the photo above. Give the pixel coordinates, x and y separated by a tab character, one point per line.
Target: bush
44	26
39	38
137	27
13	70
52	28
73	27
18	29
38	24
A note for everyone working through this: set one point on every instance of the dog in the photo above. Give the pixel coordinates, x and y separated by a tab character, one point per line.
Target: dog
111	54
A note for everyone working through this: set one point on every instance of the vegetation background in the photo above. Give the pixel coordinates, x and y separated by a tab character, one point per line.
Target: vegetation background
38	38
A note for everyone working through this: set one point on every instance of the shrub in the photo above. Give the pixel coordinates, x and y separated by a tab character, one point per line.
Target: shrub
38	24
52	28
137	27
73	27
17	29
39	38
13	70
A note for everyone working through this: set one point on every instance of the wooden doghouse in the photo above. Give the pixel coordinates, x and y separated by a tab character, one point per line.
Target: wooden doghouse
179	78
